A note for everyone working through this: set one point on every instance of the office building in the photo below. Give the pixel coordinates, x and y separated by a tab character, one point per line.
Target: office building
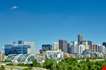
90	45
63	45
103	49
17	48
69	48
104	44
46	47
86	44
32	49
75	47
80	39
94	48
57	55
55	46
81	48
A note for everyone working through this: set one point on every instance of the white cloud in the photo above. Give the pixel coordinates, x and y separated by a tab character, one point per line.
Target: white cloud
14	7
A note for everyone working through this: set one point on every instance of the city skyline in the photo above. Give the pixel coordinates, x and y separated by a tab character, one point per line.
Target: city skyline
47	21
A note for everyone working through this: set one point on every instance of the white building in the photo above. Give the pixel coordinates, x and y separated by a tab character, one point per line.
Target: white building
32	49
81	48
57	55
85	43
75	47
55	46
103	49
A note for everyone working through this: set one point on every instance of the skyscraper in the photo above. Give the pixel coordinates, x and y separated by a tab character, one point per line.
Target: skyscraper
63	45
80	39
69	48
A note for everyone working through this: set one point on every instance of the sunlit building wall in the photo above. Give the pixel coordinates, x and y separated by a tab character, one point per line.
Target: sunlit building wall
32	49
81	48
55	46
2	57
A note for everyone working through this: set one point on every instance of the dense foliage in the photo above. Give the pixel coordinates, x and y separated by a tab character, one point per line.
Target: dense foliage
66	64
73	64
2	68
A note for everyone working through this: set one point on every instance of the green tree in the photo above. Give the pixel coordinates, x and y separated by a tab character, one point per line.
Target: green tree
36	64
2	68
48	64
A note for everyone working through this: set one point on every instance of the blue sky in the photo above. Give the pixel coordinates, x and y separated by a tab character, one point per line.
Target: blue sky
45	21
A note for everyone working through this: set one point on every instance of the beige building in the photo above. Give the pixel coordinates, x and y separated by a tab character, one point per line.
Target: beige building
56	46
1	57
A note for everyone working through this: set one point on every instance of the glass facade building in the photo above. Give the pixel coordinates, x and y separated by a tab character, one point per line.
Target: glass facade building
46	47
16	49
63	45
80	39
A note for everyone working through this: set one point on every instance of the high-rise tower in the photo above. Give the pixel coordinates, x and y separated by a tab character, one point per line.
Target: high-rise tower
80	39
63	45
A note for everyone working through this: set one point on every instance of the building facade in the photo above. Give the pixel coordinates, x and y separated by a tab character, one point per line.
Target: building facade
57	55
80	39
55	46
95	48
32	49
81	48
2	57
46	47
63	45
104	44
16	48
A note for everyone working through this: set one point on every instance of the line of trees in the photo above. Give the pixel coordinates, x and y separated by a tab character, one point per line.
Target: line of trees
66	64
71	64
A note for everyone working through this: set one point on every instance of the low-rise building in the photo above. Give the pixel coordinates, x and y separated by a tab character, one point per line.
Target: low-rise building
20	47
2	57
57	55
